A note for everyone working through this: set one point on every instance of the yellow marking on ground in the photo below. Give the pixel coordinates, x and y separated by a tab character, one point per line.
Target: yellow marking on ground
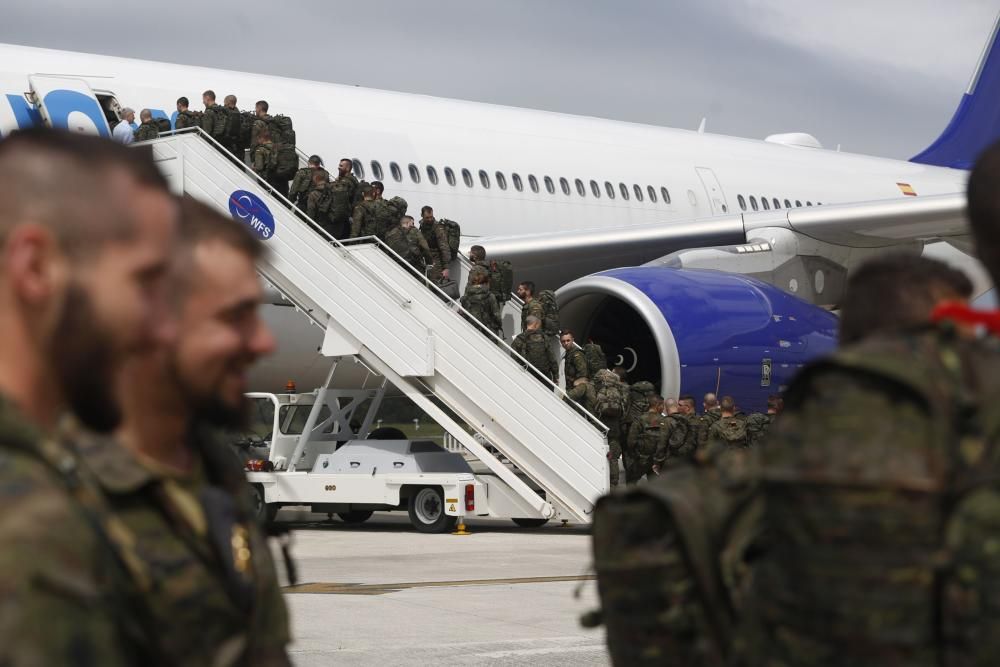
334	588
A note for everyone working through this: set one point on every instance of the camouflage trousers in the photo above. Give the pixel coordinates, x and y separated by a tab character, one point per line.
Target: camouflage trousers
614	454
639	466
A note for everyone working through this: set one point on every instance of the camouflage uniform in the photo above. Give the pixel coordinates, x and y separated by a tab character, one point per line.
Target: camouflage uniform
881	504
186	119
531	308
65	599
213	121
758	424
409	244
584	394
648	442
727	433
682	444
260	124
262	160
575	366
302	185
363	220
318	205
437	239
346	191
214	591
482	304
638	403
533	346
611	409
147	131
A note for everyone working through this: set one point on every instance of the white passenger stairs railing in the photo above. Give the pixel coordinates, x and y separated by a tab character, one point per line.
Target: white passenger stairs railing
375	306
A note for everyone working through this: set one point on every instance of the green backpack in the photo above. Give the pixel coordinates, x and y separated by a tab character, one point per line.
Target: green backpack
400	205
596	361
733	432
454	233
550	312
234	127
757	425
611	399
502	280
671	561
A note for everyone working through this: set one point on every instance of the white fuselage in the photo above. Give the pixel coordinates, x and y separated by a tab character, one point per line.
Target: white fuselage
338	121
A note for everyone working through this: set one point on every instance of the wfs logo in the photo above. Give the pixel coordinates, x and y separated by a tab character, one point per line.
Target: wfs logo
251	211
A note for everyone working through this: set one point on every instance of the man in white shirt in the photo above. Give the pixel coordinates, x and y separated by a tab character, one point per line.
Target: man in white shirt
123	132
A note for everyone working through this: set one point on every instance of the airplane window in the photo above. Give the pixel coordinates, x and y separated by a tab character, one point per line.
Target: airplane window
358	168
753	202
449	175
580	188
518	185
533	182
652	193
414	173
809	203
610	189
777	204
484	178
467	177
564	184
432	175
376	170
501	181
665	195
742	202
638	192
397	173
788	204
765	203
624	189
550	186
798	203
595	189
819	203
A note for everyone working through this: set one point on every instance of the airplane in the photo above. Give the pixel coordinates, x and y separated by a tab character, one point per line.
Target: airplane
700	262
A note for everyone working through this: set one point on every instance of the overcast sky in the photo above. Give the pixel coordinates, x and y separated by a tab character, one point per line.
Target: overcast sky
879	77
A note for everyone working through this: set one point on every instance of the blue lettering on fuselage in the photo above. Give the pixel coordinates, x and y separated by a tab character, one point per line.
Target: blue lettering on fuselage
25	114
62	103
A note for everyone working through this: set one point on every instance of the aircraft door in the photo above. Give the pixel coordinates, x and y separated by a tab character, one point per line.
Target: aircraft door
713	190
69	104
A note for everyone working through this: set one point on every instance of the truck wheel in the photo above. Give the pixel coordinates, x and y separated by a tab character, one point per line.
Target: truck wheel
530	523
265	512
387	433
427	511
355	516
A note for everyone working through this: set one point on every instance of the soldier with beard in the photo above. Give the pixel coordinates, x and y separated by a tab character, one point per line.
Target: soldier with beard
82	268
176	486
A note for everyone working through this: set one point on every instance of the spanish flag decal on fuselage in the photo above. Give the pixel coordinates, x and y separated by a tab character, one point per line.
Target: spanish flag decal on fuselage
906	189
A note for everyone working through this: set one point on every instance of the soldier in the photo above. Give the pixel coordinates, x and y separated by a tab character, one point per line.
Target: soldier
532	345
575	364
185	117
480	302
583	393
346	193
81	289
213	118
262	157
647	442
407	242
147	129
679	447
361	218
260	110
710	406
234	126
758	424
532	306
729	431
212	592
610	407
319	199
437	239
697	427
889	437
302	182
477	259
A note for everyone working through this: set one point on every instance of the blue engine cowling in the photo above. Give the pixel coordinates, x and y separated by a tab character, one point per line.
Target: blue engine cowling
692	331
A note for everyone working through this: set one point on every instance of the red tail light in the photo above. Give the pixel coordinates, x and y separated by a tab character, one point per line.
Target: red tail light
470	498
258	465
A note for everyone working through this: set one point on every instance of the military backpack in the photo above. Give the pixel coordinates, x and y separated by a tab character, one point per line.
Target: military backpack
454	233
611	399
283	136
400	204
247	120
536	351
502	280
483	306
757	425
732	431
550	312
234	127
596	361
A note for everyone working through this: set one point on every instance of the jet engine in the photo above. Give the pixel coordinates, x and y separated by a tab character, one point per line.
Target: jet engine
692	331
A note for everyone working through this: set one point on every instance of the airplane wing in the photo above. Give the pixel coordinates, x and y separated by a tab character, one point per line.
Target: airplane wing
553	259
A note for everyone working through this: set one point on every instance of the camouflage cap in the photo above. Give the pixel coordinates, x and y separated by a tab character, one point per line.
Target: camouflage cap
644	387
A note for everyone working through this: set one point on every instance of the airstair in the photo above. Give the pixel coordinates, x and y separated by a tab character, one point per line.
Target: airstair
376	307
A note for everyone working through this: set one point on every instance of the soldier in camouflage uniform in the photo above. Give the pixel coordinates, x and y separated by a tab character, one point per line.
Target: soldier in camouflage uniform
347	193
302	182
575	364
638	403
680	448
481	303
148	128
610	408
437	239
710	409
532	307
758	424
648	438
104	243
729	431
178	489
262	156
583	393
360	213
213	118
532	345
185	117
407	242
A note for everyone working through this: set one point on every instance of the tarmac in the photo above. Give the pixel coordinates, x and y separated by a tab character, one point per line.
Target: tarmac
380	593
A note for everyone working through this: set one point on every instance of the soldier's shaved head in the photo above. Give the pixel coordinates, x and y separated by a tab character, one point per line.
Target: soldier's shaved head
230	100
897	292
208	95
686	402
477	253
145	115
710	400
727	405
